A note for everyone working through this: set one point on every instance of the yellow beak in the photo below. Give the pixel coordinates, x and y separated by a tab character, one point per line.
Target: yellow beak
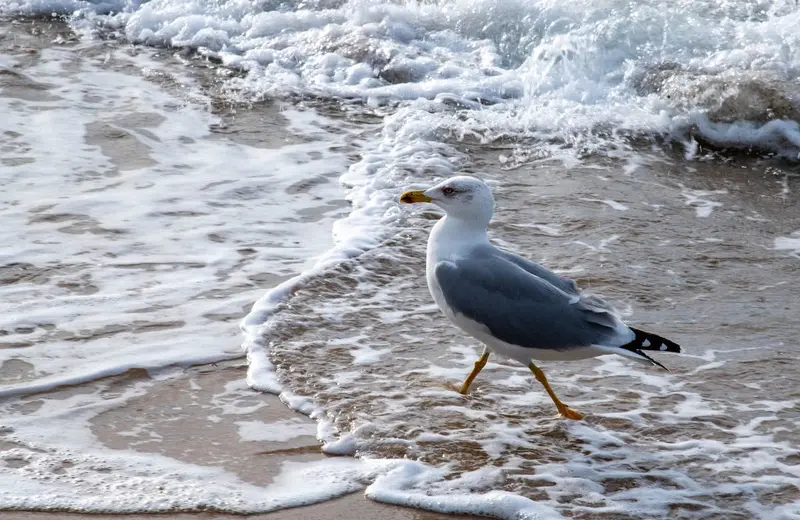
413	196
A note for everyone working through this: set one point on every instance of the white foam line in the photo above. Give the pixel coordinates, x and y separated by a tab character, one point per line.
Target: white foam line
373	188
610	203
361	230
745	133
790	243
51	383
396	486
373	194
261	375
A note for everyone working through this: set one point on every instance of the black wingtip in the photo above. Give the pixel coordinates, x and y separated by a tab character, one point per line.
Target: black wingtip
649	341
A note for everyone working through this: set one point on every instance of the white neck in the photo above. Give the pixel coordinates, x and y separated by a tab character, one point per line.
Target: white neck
453	237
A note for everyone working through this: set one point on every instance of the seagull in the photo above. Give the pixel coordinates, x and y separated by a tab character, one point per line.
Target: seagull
517	308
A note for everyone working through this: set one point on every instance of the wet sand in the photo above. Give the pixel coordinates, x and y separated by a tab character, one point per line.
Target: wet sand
193	417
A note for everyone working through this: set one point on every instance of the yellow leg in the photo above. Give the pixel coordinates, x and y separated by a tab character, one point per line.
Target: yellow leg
563	409
477	368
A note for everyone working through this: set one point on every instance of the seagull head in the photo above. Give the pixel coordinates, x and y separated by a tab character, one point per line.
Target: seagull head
461	197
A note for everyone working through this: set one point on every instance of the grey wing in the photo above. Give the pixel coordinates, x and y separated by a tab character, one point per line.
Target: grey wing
523	309
565	284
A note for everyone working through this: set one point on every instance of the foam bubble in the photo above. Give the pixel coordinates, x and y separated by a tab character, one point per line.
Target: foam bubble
701	201
790	243
277	431
415	485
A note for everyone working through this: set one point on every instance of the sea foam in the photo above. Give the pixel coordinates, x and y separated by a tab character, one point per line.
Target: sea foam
589	74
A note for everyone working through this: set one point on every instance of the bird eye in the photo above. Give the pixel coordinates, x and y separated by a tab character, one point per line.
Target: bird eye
448	190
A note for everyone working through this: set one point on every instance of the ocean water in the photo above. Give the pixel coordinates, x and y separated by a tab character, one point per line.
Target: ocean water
167	163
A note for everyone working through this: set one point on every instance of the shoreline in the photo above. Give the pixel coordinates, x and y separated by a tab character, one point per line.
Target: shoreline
348	507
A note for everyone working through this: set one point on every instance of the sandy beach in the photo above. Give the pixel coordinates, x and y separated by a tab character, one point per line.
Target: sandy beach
171	419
